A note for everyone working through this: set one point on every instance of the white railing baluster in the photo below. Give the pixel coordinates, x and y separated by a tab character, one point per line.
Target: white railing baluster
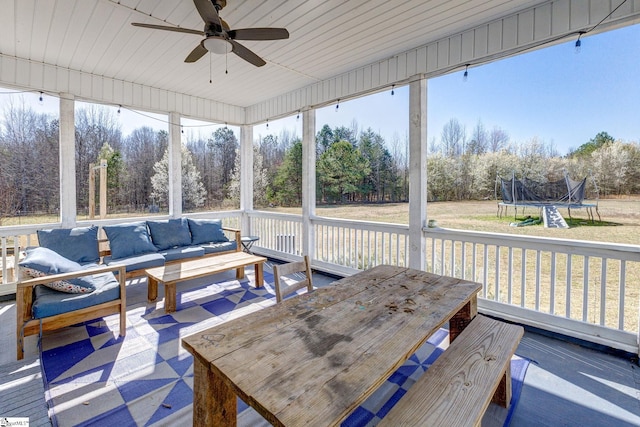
538	274
485	267
622	284
523	279
497	273
510	276
474	261
603	291
585	290
569	278
552	299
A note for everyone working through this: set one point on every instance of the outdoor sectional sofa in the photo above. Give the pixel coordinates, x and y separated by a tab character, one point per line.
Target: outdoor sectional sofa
68	280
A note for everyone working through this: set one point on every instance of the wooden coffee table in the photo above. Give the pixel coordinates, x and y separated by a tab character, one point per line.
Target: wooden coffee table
180	271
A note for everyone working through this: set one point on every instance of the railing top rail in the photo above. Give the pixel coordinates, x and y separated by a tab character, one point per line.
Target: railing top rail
15	230
279	215
368	225
576	247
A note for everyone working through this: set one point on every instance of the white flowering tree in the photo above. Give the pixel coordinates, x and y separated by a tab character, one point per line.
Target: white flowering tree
193	192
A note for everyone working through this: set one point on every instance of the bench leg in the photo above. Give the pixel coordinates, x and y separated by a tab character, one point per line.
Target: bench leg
502	396
259	274
462	318
214	403
240	273
152	289
169	297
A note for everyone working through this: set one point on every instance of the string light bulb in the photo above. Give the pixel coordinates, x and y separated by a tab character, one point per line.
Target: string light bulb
119	107
298	115
338	105
578	44
465	76
267	123
392	89
181	128
40	99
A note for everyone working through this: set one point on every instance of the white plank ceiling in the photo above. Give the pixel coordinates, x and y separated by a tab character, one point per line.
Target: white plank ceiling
327	38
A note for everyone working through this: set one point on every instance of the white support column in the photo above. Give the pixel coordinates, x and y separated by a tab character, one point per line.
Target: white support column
246	177
67	161
417	172
308	181
175	166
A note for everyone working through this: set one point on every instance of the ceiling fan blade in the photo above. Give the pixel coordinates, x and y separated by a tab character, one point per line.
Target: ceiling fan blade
259	34
207	11
246	54
196	53
166	28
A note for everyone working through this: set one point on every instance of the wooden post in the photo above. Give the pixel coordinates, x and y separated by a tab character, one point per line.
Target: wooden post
103	189
308	181
92	191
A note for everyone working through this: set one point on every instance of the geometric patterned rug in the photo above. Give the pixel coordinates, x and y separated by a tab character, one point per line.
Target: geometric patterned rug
94	377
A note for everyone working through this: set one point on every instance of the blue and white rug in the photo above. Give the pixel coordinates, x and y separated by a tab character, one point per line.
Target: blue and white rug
93	377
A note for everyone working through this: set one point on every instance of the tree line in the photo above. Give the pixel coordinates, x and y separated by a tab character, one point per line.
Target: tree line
352	165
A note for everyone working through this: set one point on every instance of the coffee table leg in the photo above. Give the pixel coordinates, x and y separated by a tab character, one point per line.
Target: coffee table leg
259	274
462	318
152	289
240	273
169	297
214	403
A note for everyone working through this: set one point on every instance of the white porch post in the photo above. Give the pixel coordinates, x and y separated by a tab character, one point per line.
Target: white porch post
175	166
67	161
308	181
417	171
246	177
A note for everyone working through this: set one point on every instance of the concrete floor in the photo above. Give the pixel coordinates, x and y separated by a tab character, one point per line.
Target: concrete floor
565	385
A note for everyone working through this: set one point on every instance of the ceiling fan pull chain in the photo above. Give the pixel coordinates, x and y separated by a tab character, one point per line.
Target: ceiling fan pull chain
226	60
210	72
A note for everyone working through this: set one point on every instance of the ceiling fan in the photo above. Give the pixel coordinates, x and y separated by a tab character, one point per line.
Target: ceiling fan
218	35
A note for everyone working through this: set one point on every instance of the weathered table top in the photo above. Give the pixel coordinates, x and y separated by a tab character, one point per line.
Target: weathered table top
203	266
312	359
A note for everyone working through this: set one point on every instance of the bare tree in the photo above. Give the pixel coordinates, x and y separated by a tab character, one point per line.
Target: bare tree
453	139
497	139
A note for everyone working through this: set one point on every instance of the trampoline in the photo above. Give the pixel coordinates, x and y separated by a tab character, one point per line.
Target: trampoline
563	193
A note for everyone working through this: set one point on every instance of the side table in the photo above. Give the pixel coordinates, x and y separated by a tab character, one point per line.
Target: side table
247	242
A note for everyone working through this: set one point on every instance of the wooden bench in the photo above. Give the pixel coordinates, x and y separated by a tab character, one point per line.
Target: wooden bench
457	389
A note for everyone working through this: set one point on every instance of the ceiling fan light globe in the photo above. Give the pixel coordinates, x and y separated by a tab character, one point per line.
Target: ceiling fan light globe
216	45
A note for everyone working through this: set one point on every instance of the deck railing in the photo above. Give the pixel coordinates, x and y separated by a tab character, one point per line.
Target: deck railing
359	245
584	289
587	290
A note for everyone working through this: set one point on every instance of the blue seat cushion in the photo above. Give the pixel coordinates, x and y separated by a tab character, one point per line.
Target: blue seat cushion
137	262
169	233
214	248
49	302
78	244
43	262
182	253
206	231
126	240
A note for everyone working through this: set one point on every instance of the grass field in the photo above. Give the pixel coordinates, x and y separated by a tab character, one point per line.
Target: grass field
620	218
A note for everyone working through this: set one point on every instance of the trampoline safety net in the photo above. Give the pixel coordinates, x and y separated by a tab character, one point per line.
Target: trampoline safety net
527	191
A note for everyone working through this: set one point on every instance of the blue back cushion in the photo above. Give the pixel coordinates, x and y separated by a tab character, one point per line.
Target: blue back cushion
50	262
170	233
129	239
78	244
206	231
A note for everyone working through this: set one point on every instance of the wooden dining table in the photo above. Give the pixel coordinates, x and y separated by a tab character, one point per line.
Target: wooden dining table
312	359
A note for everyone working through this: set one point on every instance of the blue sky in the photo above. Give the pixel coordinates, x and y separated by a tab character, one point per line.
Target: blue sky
553	94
